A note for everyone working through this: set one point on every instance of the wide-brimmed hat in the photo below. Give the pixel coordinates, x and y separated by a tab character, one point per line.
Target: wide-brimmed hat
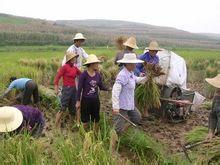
130	58
153	46
10	118
131	42
91	59
79	36
70	55
214	81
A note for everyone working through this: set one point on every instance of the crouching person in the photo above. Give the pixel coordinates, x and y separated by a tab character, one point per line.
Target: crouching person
68	72
214	116
123	93
27	87
21	118
87	96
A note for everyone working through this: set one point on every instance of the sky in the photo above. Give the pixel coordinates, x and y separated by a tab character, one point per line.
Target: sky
190	15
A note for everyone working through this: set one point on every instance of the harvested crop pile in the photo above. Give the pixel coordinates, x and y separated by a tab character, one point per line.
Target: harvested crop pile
148	94
150	150
205	153
48	97
109	71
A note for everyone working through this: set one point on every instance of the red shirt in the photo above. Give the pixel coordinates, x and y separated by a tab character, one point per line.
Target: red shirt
69	73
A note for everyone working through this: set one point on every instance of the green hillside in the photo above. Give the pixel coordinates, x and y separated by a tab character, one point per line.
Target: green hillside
16	30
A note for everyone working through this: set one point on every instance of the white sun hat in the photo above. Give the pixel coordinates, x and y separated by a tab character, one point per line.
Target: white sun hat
79	36
10	118
214	81
130	58
91	59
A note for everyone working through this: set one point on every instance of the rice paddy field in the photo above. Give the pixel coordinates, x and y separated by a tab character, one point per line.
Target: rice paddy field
73	145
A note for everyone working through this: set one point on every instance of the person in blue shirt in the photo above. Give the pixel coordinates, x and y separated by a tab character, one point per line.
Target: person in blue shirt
149	57
28	88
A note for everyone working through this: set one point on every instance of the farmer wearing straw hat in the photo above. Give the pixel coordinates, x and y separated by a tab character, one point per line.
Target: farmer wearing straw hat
28	88
151	58
214	116
76	48
68	94
123	93
87	95
21	118
130	45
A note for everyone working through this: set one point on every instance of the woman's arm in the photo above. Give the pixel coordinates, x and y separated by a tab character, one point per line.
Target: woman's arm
116	90
80	89
59	74
101	85
141	80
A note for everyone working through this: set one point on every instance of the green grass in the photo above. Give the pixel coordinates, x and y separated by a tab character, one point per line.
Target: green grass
198	54
200	62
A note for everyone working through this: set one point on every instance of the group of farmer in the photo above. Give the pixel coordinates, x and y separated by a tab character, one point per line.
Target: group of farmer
79	93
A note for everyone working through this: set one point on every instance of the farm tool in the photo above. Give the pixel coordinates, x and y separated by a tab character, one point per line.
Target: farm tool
190	146
129	121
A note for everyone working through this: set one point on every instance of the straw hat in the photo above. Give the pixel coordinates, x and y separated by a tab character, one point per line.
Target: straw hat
130	58
10	119
92	59
214	81
153	46
79	36
70	55
131	42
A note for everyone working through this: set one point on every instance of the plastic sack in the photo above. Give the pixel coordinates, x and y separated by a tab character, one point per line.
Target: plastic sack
174	68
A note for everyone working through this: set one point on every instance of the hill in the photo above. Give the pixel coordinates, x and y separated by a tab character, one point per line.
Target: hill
16	30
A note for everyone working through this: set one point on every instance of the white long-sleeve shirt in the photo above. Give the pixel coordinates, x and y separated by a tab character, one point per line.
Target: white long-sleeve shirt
79	51
123	90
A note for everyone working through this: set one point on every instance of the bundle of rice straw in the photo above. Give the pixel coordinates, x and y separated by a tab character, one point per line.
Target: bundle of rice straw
148	94
119	42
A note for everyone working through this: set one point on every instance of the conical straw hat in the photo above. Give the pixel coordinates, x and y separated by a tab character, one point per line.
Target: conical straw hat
131	42
92	59
214	81
70	55
153	46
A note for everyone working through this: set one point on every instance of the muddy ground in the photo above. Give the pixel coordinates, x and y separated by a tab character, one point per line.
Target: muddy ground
169	133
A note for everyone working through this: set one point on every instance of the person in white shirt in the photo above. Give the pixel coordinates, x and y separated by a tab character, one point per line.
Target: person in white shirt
76	48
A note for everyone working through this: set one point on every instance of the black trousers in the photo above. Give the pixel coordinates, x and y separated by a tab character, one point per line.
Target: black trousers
214	116
90	108
214	121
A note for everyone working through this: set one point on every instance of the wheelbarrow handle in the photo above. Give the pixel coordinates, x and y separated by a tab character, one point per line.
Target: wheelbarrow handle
177	101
